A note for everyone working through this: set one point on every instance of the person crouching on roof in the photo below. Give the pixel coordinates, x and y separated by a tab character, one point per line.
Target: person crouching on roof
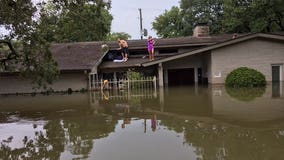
123	46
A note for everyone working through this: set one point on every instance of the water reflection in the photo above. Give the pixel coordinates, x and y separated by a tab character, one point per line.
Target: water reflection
277	89
247	106
245	94
175	123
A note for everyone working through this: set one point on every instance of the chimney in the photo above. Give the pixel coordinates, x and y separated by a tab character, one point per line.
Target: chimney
201	30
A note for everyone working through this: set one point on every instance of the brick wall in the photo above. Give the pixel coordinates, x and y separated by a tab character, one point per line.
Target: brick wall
256	53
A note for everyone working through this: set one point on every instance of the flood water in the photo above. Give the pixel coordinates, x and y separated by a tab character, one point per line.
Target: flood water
193	123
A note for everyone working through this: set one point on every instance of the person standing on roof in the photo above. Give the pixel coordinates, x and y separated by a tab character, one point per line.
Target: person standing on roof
123	47
151	43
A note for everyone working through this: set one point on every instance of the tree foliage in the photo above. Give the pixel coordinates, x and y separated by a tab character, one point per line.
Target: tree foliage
77	20
16	17
222	16
202	11
32	27
253	16
33	59
169	24
115	35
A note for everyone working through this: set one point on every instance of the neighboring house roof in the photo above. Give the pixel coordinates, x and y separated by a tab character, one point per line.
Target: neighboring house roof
161	43
77	56
174	42
88	55
274	36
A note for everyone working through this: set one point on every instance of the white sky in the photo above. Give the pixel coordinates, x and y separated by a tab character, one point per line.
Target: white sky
126	15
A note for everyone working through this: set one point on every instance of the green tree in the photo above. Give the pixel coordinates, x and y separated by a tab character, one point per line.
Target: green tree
16	17
253	16
169	24
77	20
202	11
180	21
222	17
33	58
58	21
115	35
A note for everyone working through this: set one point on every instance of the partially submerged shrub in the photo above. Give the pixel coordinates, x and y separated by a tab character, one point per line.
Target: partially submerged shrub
245	77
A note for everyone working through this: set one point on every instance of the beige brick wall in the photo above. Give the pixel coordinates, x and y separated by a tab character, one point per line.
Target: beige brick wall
13	84
257	54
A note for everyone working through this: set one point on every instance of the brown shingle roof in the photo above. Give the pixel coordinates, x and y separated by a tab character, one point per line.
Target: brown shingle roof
172	42
77	56
85	55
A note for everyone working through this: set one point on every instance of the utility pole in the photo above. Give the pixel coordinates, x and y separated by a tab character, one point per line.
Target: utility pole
141	28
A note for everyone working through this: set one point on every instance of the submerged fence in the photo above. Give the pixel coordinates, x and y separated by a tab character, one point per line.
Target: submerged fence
125	84
125	89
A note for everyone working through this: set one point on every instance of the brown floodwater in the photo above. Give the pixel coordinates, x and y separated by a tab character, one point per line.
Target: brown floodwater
189	122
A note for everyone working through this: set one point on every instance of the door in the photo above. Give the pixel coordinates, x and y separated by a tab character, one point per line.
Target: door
276	81
276	73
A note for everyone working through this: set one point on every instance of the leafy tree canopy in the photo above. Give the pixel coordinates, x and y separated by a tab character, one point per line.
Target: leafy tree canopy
222	16
76	20
170	24
32	27
115	35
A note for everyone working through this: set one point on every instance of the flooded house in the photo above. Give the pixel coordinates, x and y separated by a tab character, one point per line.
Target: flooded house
211	64
198	59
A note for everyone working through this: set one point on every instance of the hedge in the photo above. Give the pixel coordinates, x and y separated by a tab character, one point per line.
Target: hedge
245	77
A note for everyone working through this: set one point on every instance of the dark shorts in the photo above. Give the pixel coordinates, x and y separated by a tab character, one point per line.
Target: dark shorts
125	50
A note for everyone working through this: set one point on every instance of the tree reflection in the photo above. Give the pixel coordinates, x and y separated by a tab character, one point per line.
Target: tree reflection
71	133
40	146
219	141
83	130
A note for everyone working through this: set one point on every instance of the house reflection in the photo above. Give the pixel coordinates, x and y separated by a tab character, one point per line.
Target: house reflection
115	102
248	105
216	101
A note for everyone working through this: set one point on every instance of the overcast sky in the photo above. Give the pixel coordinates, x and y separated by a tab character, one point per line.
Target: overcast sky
126	15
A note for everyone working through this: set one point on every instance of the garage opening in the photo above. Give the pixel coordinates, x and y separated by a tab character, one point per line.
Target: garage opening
179	77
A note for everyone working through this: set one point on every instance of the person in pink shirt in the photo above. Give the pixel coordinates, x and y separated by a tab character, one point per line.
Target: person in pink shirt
151	43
